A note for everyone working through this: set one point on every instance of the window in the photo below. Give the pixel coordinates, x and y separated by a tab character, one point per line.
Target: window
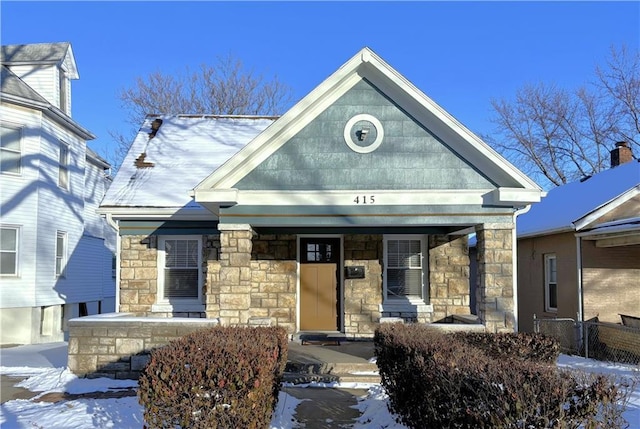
63	91
63	169
550	283
9	238
61	253
180	260
404	277
10	150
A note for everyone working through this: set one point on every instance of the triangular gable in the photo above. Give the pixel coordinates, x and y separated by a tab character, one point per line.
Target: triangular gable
514	187
625	204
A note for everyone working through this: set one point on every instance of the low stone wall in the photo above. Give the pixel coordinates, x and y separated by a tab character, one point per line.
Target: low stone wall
118	345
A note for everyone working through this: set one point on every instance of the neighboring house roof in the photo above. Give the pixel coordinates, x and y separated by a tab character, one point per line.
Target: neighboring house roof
566	205
12	85
41	54
185	150
15	90
97	159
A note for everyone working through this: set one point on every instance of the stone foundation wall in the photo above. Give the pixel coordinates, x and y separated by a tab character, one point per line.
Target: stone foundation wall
448	276
118	345
362	297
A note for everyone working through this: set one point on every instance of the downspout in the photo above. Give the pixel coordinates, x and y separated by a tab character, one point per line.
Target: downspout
514	257
114	224
580	293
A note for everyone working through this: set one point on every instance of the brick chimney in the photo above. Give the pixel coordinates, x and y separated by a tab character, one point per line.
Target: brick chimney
621	154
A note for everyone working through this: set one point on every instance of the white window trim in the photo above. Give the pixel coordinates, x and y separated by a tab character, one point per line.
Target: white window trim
64	167
547	304
18	230
409	302
21	150
177	304
64	256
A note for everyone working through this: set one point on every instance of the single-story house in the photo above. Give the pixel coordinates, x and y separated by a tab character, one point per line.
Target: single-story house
579	249
355	205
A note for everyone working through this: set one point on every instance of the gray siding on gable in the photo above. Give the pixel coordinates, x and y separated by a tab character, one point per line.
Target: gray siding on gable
318	158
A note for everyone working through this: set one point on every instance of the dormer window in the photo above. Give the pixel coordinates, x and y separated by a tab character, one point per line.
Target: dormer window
63	91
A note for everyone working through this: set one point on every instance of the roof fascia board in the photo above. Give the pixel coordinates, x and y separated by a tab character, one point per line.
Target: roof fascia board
69	64
51	111
176	213
382	197
605	208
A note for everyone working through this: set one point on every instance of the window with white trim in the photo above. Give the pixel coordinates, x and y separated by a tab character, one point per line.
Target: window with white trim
404	274
550	283
61	253
180	262
63	166
9	244
10	150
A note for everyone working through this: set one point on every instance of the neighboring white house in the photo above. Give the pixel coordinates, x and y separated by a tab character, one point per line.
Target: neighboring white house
56	252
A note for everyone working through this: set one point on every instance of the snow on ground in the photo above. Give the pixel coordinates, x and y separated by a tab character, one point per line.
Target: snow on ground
45	369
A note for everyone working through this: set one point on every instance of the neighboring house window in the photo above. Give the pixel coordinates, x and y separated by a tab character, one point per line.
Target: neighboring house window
61	253
9	239
63	169
63	91
404	262
10	150
550	283
180	259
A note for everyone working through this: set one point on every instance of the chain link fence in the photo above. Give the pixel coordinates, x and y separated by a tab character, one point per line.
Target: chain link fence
593	339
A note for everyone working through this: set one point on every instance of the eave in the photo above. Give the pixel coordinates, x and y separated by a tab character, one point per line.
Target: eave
52	112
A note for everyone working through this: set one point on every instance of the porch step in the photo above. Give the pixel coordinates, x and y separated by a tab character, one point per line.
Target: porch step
298	378
350	362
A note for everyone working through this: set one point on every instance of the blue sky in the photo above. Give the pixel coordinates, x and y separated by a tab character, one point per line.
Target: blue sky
461	54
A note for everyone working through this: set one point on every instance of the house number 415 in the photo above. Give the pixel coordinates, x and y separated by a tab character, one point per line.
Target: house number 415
365	199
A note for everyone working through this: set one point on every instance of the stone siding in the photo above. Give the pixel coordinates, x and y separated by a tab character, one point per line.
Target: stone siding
139	274
362	297
448	276
118	345
495	277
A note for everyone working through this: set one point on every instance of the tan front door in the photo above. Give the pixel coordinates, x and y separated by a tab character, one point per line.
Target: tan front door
319	288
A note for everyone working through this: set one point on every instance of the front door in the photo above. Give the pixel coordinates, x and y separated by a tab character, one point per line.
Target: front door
319	284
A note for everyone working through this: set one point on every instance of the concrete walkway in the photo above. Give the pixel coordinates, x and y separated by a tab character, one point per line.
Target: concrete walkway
326	408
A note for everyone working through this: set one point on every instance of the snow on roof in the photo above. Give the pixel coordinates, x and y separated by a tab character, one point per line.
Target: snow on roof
565	204
185	150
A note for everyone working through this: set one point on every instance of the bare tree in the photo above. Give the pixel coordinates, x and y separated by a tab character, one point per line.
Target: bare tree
224	88
558	136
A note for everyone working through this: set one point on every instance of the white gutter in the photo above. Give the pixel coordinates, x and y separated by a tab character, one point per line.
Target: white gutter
114	224
514	257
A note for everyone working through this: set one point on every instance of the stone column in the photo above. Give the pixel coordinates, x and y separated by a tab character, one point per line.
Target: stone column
235	273
495	276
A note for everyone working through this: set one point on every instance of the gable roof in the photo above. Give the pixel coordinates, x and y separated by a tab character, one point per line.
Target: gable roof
565	206
367	65
59	53
184	151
